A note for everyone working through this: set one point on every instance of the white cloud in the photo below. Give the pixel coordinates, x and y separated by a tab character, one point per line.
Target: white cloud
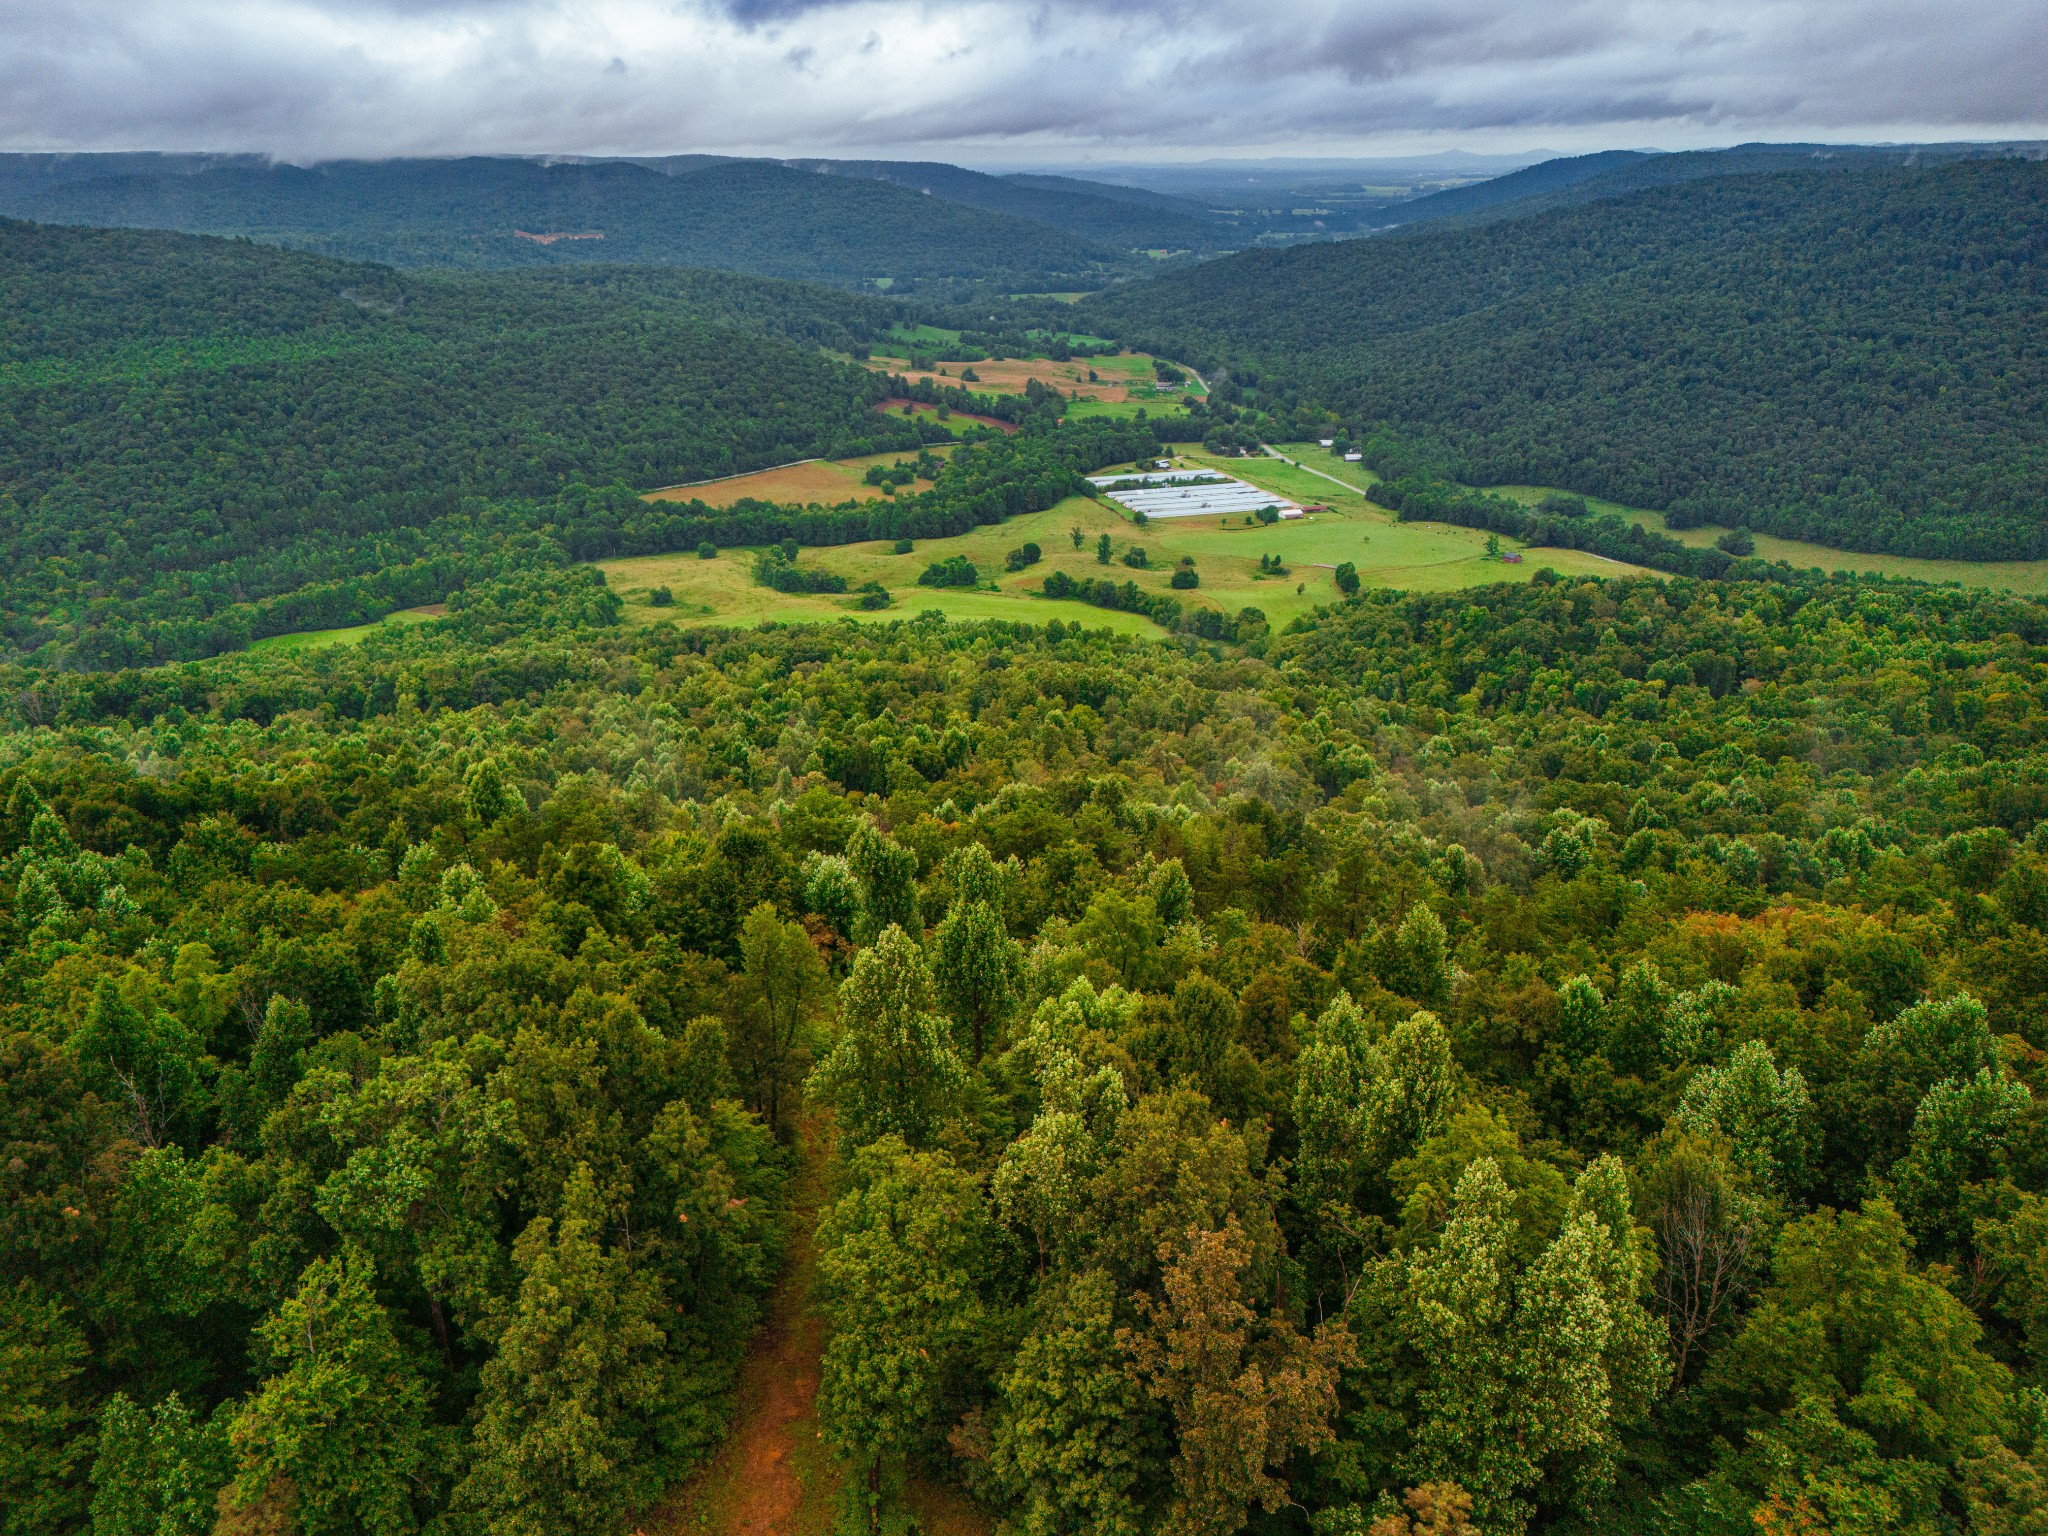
992	78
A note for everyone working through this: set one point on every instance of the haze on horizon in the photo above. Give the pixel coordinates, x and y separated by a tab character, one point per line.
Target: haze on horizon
1003	81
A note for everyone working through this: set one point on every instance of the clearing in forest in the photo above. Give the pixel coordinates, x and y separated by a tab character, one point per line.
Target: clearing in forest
2029	577
825	482
1118	386
1283	570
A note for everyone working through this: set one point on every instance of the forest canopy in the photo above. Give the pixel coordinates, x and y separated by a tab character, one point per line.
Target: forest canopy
1853	359
1566	1056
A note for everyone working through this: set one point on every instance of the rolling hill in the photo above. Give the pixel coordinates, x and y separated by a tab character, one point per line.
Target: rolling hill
1855	359
1094	212
750	216
1577	179
204	441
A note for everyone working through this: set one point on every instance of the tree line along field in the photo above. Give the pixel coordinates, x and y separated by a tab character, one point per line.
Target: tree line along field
1386	554
1114	387
2028	576
824	482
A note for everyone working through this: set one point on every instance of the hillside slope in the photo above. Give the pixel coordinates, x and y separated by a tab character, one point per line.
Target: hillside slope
202	440
1855	359
748	216
1080	208
1565	183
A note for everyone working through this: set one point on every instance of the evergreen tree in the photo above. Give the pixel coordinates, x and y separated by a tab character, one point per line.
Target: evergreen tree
569	1409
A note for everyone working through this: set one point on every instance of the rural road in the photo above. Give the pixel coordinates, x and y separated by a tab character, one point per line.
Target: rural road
1356	490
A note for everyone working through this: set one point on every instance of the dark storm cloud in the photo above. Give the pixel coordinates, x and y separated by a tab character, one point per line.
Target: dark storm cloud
308	78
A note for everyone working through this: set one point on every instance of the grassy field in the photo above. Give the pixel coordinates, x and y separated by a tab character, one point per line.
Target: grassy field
1226	552
824	481
1115	388
320	639
2024	576
724	591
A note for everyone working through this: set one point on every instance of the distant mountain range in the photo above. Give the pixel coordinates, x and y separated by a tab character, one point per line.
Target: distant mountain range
892	225
908	227
751	216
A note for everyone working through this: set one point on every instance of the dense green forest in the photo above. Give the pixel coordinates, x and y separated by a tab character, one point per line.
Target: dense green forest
204	441
1854	359
1108	216
1562	1057
1617	172
750	216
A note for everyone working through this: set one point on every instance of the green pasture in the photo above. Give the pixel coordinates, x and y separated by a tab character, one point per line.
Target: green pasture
2023	576
922	335
320	639
1226	552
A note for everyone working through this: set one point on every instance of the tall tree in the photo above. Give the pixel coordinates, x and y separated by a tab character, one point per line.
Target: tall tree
902	1260
893	1069
568	1413
977	966
344	1428
777	995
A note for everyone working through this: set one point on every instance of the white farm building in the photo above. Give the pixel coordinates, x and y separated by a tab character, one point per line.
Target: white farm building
1185	494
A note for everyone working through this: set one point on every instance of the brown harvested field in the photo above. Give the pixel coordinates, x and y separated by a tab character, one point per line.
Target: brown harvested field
920	408
1008	376
825	481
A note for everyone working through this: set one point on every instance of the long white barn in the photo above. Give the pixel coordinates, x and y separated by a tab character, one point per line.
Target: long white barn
1216	495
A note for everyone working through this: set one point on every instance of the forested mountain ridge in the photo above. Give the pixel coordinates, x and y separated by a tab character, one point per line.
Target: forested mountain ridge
1591	178
189	426
1081	208
1854	358
742	215
1543	1058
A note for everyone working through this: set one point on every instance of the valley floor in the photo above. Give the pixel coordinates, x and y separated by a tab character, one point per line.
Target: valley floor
1226	551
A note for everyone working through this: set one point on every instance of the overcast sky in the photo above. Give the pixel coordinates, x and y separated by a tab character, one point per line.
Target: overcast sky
993	81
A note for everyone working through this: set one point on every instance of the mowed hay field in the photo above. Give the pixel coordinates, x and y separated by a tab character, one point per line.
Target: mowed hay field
2024	576
826	482
1116	378
1226	552
1124	384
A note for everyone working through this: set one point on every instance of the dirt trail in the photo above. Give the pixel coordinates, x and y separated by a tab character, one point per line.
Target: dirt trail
772	1477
